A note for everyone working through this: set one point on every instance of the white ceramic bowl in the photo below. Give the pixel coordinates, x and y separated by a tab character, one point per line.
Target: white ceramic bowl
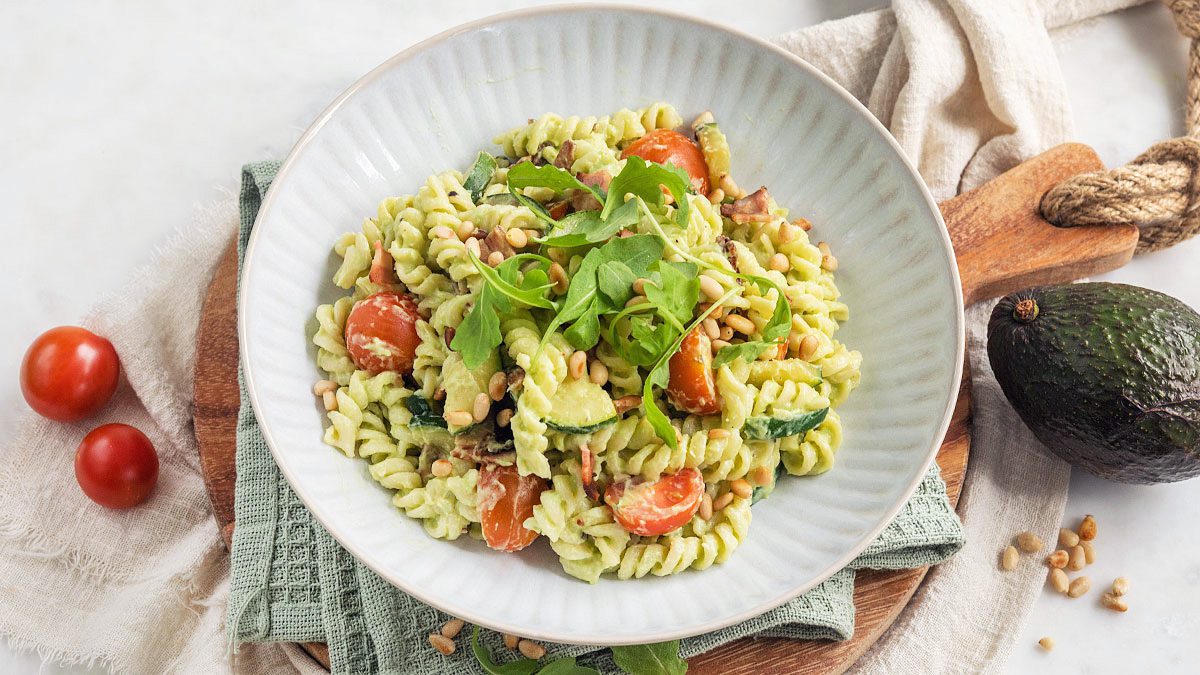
791	128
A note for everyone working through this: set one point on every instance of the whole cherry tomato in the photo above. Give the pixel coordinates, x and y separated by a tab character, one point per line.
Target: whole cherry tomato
381	333
69	373
506	499
667	146
653	508
116	466
690	385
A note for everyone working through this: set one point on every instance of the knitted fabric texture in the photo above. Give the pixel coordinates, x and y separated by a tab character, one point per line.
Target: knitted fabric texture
292	582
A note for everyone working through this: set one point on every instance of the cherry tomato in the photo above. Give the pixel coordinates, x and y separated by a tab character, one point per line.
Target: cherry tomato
690	386
667	146
381	333
116	466
658	507
69	373
506	499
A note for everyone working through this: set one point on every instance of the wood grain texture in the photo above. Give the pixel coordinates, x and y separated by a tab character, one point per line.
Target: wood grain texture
1002	245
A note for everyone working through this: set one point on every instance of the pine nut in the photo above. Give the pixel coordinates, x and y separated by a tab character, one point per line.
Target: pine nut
823	247
741	488
718	345
577	364
598	373
495	258
1079	586
504	417
711	329
465	230
531	650
1120	586
1114	602
639	286
803	224
458	418
722	501
1078	559
1067	538
716	196
731	187
1058	559
1029	542
516	238
787	233
740	324
472	245
636	300
323	386
559	277
482	406
329	400
829	263
1089	552
1008	561
717	434
808	347
780	263
497	385
627	403
703	118
726	333
442	468
452	628
441	232
1047	643
442	643
706	508
1059	580
710	287
510	641
1087	528
761	475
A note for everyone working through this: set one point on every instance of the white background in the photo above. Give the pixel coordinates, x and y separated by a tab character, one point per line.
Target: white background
120	120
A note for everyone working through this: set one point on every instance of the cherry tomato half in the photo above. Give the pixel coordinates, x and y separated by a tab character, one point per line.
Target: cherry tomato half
116	466
381	333
651	509
690	385
69	373
667	146
506	500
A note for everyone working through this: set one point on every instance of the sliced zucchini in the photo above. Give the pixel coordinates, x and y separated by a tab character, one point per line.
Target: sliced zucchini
770	428
716	150
463	386
425	413
580	406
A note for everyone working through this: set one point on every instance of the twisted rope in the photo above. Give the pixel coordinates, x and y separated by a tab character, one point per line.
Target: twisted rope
1159	191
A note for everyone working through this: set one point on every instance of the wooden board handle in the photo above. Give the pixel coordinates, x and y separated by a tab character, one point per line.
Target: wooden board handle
1003	244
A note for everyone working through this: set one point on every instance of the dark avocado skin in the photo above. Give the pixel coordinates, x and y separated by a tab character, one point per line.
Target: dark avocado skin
1107	376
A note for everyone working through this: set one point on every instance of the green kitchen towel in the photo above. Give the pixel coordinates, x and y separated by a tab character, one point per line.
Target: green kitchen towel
292	582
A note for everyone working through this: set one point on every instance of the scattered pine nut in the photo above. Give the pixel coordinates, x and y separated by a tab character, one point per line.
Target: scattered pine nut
1046	643
741	487
1067	538
1029	542
829	263
1059	580
787	232
722	501
703	118
497	385
465	230
442	643
598	373
458	418
780	263
726	333
510	641
716	196
577	365
482	406
323	386
516	238
731	188
761	475
1078	559
329	399
718	345
1078	587
710	287
1058	559
740	323
1008	560
442	468
706	508
441	232
639	286
627	403
803	224
808	347
711	329
452	628
717	434
1114	602
1089	552
1087	528
495	258
1120	586
472	245
558	276
504	417
531	650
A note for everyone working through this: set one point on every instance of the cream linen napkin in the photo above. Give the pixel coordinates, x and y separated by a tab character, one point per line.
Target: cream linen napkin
969	89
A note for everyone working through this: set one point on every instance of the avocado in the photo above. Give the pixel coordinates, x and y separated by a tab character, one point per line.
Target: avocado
1106	375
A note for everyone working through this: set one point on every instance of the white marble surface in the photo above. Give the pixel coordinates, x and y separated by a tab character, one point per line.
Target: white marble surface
122	119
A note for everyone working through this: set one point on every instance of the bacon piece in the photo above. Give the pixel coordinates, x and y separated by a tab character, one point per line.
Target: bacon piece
566	155
587	470
558	209
753	208
383	267
600	179
496	240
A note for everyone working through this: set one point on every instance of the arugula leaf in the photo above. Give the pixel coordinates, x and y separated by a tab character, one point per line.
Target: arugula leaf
675	289
780	323
585	332
643	179
533	205
527	174
564	666
747	351
479	332
587	227
656	659
616	282
480	175
649	340
534	297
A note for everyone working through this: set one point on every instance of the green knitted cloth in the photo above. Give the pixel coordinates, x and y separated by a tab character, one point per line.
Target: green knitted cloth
293	582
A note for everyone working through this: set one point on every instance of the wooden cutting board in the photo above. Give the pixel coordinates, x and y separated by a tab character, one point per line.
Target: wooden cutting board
1002	245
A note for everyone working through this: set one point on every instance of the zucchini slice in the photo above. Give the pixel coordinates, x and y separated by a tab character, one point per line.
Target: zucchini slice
580	406
716	151
463	386
425	413
770	428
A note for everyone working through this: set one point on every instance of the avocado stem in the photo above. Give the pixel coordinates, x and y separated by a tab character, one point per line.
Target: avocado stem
1026	310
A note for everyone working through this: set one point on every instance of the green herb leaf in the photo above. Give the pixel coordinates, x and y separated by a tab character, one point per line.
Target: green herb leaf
656	659
675	289
585	332
480	175
587	227
643	179
747	351
780	323
527	174
533	297
616	282
566	666
425	413
649	341
479	332
518	667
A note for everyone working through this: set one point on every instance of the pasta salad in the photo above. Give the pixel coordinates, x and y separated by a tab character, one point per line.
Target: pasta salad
594	336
